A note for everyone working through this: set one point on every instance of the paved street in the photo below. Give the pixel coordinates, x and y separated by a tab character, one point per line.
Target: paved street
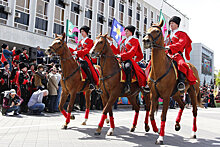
45	130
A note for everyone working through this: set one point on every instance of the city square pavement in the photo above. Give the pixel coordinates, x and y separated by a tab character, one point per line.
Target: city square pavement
40	131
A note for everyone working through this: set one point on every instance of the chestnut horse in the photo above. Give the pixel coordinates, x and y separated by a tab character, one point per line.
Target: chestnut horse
71	80
162	82
112	87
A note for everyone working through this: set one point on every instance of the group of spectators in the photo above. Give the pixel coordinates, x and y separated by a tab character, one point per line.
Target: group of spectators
28	85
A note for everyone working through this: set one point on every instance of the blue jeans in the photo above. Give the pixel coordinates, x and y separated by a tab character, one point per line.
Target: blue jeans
37	108
14	108
58	98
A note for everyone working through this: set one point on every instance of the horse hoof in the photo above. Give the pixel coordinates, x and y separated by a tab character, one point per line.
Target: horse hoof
84	123
147	128
159	142
110	132
64	127
97	133
193	137
72	117
107	121
177	127
132	129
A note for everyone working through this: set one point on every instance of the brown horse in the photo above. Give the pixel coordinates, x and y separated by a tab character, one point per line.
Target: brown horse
162	82
112	87
71	80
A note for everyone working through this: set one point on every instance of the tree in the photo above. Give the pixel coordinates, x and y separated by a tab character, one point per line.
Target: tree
218	79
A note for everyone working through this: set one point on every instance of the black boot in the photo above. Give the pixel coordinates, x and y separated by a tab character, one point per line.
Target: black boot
128	82
181	85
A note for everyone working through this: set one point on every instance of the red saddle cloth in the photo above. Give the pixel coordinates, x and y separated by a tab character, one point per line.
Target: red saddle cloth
123	76
94	71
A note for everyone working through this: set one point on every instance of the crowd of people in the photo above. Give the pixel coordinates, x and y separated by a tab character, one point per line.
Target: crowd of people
32	86
28	85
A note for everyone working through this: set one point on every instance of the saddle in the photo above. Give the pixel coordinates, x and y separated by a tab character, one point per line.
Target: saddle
123	75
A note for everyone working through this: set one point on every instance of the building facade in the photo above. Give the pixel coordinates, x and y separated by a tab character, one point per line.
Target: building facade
34	22
203	59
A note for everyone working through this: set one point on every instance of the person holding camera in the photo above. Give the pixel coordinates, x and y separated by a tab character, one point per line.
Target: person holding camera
35	104
11	102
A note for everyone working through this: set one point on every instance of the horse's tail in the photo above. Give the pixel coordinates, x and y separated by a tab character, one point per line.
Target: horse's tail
199	99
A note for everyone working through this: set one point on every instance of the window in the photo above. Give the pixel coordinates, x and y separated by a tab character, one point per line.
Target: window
60	3
3	15
129	16
58	29
89	4
41	24
111	14
88	14
130	3
75	10
121	13
41	17
145	11
112	3
101	7
23	5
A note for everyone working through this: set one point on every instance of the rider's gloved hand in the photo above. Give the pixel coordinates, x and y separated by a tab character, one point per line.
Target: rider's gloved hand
110	42
75	52
118	56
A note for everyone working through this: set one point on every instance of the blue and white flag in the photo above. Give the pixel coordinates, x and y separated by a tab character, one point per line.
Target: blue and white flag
117	31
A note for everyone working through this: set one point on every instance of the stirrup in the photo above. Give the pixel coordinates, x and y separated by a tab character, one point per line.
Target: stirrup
91	86
99	91
146	89
181	87
127	89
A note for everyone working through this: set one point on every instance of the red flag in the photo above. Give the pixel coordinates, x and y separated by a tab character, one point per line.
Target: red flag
3	59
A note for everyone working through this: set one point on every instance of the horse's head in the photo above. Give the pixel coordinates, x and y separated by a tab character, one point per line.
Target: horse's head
57	45
100	44
154	36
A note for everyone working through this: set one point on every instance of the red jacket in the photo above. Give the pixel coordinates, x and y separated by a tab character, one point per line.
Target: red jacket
130	50
179	42
82	51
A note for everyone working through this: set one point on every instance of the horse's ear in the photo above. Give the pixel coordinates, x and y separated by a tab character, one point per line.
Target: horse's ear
56	35
64	35
161	23
109	38
100	34
106	35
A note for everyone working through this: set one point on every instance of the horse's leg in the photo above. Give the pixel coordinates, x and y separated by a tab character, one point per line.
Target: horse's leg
70	108
112	124
64	96
179	100
152	110
133	101
163	120
193	97
147	102
87	97
106	109
104	102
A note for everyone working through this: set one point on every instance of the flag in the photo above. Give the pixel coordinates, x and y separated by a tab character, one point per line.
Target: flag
3	59
164	27
117	31
71	29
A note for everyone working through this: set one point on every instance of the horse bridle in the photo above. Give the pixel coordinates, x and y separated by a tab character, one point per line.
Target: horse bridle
57	49
153	43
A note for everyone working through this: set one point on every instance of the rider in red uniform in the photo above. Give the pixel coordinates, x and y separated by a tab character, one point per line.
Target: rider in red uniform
130	52
82	51
177	41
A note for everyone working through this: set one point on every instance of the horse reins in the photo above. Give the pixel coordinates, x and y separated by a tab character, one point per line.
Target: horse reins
159	47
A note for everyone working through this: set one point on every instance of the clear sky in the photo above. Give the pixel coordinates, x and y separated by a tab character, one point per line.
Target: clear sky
204	23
